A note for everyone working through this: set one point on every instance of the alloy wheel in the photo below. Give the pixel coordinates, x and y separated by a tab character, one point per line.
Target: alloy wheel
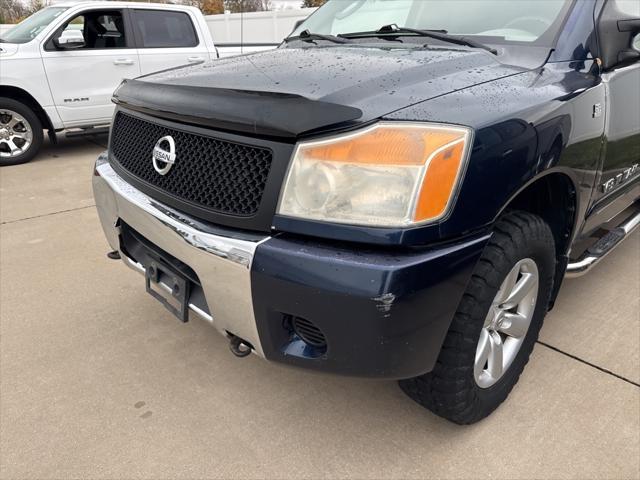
507	323
16	134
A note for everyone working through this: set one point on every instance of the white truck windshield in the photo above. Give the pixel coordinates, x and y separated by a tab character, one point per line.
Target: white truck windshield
30	27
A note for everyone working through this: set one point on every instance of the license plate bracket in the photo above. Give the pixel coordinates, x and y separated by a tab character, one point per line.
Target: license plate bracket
172	284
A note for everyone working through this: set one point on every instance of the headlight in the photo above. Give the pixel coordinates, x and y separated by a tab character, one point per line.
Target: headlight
393	174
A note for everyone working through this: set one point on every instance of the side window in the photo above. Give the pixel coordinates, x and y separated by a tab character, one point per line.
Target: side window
629	7
95	29
158	29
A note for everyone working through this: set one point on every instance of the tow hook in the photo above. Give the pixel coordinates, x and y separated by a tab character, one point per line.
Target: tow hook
115	255
239	347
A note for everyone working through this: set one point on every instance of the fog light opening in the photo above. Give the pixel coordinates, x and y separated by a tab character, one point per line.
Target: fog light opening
308	332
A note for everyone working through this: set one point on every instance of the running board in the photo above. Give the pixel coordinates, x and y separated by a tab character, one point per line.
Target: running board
603	247
84	132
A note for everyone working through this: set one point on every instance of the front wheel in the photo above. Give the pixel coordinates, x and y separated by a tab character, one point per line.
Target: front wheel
20	132
497	323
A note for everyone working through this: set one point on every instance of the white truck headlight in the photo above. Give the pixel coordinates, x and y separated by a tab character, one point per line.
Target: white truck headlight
392	174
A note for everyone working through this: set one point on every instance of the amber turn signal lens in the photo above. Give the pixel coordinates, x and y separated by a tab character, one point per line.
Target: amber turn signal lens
439	182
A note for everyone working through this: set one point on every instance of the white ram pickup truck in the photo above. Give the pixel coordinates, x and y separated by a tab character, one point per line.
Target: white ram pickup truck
60	66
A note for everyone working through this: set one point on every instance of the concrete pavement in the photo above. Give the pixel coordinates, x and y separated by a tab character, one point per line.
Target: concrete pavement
97	380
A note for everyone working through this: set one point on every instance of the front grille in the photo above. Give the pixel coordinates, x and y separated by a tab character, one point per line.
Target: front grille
219	175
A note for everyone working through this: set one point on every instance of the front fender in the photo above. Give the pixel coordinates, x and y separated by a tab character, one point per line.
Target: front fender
28	75
526	126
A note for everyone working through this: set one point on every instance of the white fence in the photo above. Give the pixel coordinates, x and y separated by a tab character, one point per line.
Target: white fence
253	27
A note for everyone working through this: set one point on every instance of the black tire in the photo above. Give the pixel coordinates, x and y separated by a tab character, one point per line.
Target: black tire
450	390
36	128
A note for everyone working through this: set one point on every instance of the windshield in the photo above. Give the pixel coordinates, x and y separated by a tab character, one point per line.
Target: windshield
492	21
30	27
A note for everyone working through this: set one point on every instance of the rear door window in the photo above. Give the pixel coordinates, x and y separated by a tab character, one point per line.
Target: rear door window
163	29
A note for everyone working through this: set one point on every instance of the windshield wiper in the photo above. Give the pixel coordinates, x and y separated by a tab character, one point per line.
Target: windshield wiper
307	36
442	35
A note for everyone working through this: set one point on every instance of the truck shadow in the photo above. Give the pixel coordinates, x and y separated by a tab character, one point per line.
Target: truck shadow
73	146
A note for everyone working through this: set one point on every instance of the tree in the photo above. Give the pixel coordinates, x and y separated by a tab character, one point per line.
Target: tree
207	7
313	3
212	7
11	11
34	6
155	1
237	6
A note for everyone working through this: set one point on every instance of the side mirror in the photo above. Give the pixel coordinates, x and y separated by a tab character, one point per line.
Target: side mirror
635	43
633	52
619	42
297	24
69	40
629	25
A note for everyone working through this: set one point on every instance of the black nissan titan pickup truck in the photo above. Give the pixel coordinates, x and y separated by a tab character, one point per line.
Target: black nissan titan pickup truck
397	191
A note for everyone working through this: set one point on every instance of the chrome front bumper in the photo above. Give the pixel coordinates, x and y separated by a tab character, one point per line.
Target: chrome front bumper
359	303
222	263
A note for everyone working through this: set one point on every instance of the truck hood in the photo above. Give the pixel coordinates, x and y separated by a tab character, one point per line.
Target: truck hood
290	92
8	49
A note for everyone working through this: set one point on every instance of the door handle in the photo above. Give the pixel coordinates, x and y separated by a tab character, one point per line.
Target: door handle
123	61
195	59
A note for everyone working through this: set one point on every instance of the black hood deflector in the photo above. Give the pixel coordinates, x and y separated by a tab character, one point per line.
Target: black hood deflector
254	112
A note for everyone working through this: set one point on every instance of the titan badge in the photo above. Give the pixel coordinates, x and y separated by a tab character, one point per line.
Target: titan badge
621	178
